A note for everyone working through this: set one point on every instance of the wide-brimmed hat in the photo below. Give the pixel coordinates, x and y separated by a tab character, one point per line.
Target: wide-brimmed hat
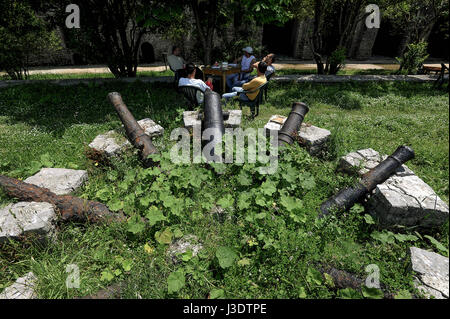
249	50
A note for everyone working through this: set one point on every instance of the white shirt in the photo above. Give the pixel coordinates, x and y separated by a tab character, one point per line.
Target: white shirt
245	63
197	83
270	70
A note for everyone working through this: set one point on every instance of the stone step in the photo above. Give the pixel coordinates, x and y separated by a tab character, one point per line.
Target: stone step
403	199
60	181
23	218
112	143
314	138
23	288
431	273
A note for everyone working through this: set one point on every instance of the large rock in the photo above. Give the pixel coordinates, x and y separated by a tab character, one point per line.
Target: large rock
403	199
431	273
234	119
112	143
182	245
60	181
314	138
23	218
23	288
191	118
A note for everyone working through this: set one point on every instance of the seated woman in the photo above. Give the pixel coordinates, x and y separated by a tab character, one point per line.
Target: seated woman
253	84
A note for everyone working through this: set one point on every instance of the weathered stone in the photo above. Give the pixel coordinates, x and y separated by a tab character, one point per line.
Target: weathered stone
60	181
182	245
192	118
314	138
431	273
403	199
112	143
234	119
23	288
25	218
218	213
150	127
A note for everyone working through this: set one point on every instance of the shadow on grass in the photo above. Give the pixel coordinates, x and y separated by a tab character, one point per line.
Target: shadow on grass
54	108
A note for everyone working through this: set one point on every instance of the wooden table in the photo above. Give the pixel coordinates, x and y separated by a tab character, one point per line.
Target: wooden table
222	73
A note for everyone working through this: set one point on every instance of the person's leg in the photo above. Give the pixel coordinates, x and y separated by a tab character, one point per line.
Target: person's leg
243	97
237	89
231	79
240	83
227	96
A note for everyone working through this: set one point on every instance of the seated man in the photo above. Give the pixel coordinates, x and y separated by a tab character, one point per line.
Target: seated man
247	61
178	65
190	80
269	59
253	84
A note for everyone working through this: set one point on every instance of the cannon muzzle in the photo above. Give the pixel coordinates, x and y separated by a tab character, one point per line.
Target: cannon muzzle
213	125
134	131
292	125
347	197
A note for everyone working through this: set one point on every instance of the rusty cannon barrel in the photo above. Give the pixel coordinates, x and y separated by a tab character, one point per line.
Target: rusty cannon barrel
70	208
347	197
213	125
134	131
292	124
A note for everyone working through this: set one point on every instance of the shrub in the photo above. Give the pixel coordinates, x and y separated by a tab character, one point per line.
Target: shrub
413	58
22	34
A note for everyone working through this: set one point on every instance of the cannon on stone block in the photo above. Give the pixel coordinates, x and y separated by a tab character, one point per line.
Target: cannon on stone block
71	208
134	131
292	124
213	127
347	197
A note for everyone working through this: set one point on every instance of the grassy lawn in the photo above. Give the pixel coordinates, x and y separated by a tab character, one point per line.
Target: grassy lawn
270	243
50	76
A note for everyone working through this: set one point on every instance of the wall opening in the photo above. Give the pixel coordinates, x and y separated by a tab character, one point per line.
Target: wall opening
147	53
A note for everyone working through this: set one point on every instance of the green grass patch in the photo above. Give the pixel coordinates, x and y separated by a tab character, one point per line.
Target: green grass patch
269	243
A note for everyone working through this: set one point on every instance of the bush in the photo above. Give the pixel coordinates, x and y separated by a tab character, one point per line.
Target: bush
22	34
413	58
337	60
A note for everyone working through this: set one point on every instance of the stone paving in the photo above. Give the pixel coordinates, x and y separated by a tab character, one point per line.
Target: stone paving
284	78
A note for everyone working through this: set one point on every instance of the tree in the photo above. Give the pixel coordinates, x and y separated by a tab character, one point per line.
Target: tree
22	34
334	24
210	15
111	31
414	18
